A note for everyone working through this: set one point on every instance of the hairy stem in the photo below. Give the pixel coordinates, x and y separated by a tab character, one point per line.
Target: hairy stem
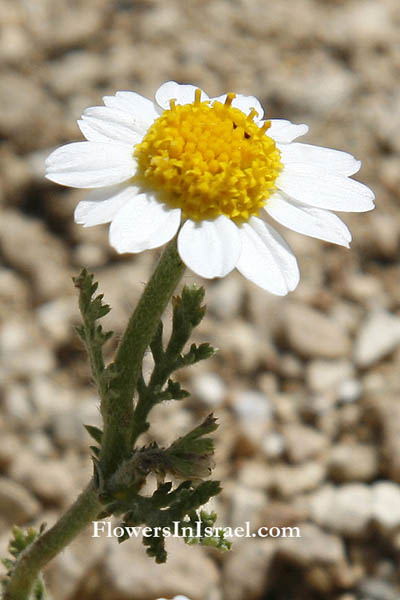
48	545
118	412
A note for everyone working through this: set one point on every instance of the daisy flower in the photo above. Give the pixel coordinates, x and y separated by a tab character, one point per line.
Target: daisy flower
208	170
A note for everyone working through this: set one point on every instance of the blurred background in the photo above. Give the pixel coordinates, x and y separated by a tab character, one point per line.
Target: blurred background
306	387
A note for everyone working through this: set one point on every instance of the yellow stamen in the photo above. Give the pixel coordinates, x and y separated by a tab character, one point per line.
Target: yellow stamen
229	98
266	125
209	160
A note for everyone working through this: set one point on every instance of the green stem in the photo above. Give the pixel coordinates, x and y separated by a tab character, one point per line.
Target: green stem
118	412
48	545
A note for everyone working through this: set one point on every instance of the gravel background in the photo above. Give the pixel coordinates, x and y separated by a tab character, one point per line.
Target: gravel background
305	387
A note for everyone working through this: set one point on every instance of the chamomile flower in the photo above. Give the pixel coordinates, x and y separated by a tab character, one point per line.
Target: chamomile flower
208	170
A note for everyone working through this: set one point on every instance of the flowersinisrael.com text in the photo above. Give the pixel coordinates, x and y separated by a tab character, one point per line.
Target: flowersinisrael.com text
106	528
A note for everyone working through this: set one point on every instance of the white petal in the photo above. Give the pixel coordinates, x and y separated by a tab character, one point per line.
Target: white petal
284	131
182	94
266	258
314	222
210	248
101	206
143	223
90	165
140	108
103	124
243	103
321	188
337	161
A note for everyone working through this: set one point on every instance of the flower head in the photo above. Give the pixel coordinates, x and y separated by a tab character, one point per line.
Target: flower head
209	170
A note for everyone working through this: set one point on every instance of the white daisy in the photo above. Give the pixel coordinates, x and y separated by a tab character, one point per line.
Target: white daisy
209	170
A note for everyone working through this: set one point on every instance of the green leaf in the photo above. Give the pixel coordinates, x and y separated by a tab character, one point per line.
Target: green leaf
94	432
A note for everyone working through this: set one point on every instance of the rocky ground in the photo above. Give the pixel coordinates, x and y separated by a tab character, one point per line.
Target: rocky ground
306	388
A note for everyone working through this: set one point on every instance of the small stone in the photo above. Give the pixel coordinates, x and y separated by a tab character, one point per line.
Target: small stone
350	390
25	108
311	333
241	343
290	481
192	574
18	233
74	570
385	408
9	448
17	505
247	505
268	383
386	505
323	375
245	568
253	411
314	547
43	390
254	474
224	298
290	366
251	405
377	589
210	388
15	45
68	424
90	254
385	235
273	444
303	442
286	407
22	350
78	69
353	462
57	318
346	509
49	479
16	403
13	291
378	336
364	288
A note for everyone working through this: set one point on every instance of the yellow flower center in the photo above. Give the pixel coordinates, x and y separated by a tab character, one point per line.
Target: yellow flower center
209	160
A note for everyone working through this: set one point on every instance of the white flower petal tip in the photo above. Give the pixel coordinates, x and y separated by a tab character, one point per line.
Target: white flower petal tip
181	93
141	109
90	164
103	124
142	224
266	259
312	185
284	132
101	206
336	161
308	220
210	248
